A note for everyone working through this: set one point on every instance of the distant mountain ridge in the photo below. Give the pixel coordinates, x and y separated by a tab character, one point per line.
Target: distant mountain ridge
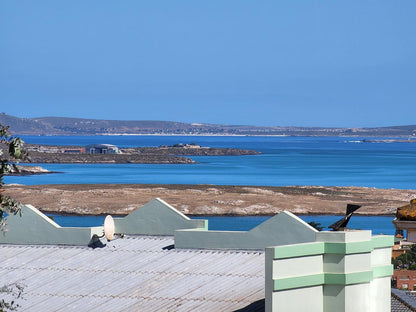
81	126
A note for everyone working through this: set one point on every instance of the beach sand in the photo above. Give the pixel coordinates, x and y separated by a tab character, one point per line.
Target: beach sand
121	199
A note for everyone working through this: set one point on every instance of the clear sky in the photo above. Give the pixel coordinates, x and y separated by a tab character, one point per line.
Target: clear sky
273	63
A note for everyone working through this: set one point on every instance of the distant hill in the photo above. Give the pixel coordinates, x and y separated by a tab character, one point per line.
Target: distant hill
80	126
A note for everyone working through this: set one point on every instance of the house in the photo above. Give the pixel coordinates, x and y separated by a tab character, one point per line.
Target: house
404	279
161	260
102	149
80	150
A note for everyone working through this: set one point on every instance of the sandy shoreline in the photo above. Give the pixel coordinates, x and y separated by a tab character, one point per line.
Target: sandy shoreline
121	199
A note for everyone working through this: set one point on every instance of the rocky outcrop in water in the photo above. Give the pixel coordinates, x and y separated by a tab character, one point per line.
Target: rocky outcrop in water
28	170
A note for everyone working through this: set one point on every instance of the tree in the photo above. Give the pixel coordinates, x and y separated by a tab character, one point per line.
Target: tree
407	260
11	150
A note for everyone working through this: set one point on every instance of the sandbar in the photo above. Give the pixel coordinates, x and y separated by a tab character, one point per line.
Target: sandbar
121	199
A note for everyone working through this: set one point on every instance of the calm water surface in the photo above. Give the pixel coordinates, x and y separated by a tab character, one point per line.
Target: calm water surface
285	161
328	161
379	224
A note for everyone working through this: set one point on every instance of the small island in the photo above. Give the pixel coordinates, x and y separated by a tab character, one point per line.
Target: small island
107	153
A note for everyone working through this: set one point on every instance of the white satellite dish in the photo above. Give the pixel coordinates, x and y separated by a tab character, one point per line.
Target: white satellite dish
109	227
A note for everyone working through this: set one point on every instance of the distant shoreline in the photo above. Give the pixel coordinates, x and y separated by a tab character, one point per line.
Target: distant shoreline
390	141
61	126
235	135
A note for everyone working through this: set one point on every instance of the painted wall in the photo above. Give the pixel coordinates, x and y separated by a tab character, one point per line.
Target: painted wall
33	227
341	271
156	218
282	229
411	235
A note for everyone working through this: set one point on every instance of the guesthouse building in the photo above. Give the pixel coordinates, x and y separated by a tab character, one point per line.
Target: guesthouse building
160	260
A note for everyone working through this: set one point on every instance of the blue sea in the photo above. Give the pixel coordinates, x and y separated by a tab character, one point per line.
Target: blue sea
378	224
326	161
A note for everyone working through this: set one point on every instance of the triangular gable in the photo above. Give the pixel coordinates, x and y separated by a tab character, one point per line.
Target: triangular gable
156	218
284	228
33	227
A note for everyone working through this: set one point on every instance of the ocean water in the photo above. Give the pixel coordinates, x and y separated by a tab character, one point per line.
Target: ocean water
326	161
378	224
284	161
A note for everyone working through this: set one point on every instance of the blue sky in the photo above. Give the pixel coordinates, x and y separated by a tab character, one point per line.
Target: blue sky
273	63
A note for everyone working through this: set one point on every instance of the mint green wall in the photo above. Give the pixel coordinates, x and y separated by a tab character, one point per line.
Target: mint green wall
284	228
33	227
156	218
352	269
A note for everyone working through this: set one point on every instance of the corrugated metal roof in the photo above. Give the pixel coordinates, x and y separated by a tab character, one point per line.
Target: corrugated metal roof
402	301
133	274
